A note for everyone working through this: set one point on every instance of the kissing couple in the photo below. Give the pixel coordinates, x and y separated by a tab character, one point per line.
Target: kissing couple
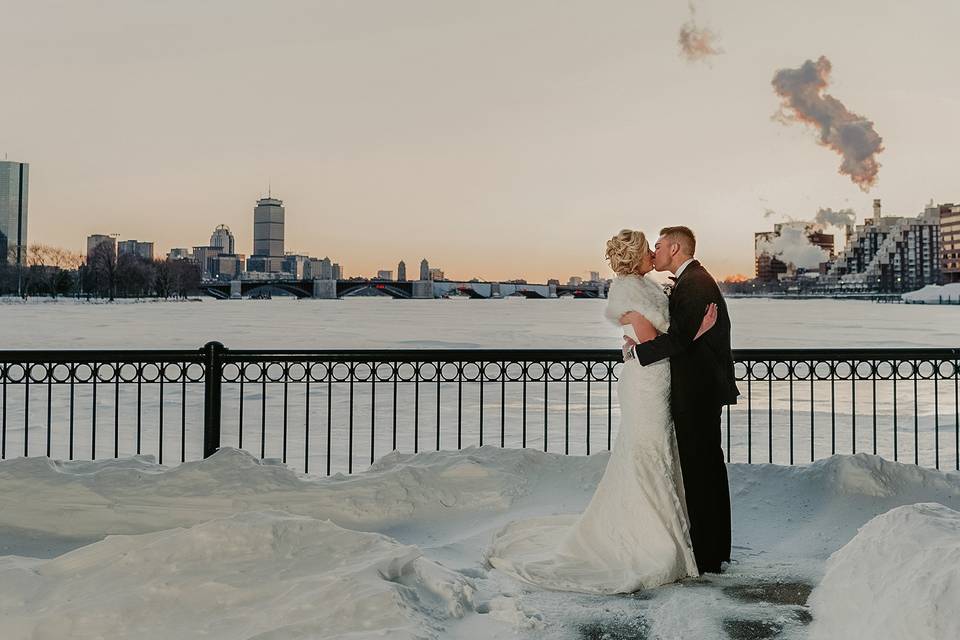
661	511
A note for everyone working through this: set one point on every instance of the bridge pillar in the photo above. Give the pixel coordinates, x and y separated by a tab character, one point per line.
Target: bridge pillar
235	290
422	289
494	289
325	289
552	290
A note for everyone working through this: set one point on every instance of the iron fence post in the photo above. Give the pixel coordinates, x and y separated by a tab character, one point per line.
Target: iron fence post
213	372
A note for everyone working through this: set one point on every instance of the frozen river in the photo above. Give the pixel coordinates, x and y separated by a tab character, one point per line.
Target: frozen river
347	426
387	323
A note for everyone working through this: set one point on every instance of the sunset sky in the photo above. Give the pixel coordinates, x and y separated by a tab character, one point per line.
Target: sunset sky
499	139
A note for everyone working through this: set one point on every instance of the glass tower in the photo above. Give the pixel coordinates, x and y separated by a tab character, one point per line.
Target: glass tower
14	180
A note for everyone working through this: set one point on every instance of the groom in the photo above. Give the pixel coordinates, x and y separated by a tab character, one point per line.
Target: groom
702	381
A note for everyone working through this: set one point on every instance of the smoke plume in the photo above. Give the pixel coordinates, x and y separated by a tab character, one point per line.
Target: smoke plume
793	246
840	218
849	134
697	43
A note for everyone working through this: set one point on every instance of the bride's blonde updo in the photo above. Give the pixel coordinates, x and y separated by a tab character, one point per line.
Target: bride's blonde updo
625	251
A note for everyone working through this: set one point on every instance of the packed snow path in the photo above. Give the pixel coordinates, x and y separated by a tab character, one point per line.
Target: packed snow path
232	547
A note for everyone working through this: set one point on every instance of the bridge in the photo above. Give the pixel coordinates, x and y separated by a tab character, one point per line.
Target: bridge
410	289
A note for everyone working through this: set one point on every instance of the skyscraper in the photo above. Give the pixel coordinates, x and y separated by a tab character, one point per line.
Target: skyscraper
402	272
14	181
224	239
268	220
424	269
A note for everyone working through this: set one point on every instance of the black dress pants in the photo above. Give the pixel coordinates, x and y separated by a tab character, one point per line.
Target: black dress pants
705	483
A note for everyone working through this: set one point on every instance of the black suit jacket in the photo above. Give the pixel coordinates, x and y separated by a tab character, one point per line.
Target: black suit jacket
702	370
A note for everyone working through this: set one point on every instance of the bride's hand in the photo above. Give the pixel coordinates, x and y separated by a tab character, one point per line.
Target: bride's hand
709	319
630	316
641	326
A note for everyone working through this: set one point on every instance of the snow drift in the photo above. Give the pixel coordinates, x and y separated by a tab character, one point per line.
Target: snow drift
256	574
899	578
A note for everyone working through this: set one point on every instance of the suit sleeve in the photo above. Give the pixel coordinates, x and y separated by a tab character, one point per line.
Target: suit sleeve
684	324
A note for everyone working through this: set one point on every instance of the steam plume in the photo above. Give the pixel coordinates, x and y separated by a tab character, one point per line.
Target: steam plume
792	246
849	134
697	43
840	218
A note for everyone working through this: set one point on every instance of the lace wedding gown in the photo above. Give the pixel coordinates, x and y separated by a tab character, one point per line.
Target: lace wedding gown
634	534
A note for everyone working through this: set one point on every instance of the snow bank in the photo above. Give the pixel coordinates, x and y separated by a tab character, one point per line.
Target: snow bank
134	495
898	578
869	475
934	293
259	574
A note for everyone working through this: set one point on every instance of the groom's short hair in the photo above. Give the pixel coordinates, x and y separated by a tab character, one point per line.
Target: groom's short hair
682	236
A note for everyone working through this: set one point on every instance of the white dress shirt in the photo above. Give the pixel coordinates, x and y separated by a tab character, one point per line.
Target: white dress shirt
682	267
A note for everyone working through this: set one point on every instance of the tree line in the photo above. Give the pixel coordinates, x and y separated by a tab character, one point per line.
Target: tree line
52	271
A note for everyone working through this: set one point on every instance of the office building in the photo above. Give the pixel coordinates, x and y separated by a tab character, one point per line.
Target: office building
223	238
97	239
337	272
226	266
135	247
14	183
178	253
319	269
950	242
435	274
424	269
204	257
384	274
295	265
402	272
268	227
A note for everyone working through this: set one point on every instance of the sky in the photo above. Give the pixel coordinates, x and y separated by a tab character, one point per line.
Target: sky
498	139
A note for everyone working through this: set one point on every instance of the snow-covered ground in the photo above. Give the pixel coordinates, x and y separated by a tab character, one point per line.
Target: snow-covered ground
935	294
232	547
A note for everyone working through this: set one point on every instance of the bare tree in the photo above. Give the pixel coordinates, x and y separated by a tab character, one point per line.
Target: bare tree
48	269
135	275
185	276
102	261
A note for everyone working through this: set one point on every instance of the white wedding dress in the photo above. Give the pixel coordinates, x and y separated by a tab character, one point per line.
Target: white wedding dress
634	534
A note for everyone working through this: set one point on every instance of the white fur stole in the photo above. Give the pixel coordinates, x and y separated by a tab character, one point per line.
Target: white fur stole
633	293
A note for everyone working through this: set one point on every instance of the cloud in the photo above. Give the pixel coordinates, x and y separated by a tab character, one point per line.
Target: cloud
849	134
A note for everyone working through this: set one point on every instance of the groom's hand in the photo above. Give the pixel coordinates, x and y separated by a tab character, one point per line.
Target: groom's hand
627	349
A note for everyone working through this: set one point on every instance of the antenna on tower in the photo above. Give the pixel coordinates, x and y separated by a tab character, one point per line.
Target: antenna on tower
269	189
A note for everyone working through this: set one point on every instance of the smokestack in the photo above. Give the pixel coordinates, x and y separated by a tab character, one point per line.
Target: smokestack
876	210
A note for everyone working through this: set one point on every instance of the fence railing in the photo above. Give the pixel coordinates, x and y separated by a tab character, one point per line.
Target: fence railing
331	411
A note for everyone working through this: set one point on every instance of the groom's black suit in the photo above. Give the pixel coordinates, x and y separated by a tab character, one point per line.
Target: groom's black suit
702	381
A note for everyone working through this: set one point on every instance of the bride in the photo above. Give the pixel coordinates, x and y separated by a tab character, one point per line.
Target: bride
634	534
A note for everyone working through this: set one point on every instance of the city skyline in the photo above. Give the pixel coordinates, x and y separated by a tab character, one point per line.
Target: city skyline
399	132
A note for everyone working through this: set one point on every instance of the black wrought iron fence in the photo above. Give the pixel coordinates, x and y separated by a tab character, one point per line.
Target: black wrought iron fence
331	411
